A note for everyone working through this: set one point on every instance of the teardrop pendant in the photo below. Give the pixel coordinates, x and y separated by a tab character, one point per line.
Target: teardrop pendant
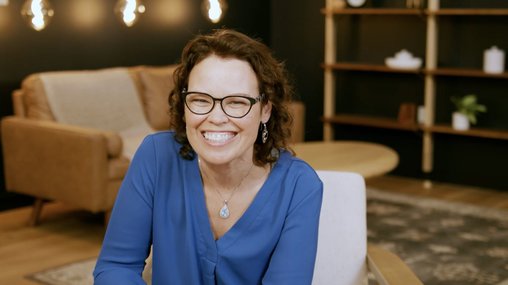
224	211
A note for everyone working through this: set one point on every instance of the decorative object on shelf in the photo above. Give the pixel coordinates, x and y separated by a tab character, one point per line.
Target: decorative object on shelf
403	60
37	13
493	60
356	3
467	108
407	113
128	11
420	117
214	9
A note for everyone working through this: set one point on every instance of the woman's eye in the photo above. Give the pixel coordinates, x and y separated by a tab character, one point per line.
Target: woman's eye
200	101
238	102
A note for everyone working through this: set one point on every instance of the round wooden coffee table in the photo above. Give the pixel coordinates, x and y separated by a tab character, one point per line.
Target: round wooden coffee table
367	159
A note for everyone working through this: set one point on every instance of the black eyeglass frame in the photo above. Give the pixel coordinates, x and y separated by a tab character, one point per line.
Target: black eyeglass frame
251	100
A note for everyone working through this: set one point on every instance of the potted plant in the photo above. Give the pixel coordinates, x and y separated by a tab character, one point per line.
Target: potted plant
467	109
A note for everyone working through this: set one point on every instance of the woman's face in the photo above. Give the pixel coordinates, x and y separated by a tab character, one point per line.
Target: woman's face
216	137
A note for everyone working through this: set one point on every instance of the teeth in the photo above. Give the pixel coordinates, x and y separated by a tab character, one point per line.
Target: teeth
218	137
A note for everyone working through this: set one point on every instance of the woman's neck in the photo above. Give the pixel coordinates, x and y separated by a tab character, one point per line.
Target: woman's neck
227	177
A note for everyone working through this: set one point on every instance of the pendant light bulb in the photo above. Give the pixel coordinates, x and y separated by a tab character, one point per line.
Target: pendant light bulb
214	10
37	13
128	11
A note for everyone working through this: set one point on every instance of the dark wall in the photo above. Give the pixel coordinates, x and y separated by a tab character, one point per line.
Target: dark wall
85	34
298	38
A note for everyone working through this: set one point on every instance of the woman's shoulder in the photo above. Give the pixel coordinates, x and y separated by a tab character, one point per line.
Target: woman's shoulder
162	136
159	144
161	139
297	168
298	177
287	159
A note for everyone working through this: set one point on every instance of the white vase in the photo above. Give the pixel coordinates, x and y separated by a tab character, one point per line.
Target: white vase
460	121
493	60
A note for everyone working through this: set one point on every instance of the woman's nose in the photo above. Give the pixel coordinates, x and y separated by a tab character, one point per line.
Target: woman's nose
217	115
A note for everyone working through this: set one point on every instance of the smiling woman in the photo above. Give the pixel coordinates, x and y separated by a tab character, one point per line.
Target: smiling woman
221	199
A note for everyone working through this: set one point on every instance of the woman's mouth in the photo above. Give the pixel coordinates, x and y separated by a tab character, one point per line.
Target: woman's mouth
218	137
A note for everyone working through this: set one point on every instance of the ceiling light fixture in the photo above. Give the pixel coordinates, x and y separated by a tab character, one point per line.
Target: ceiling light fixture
37	13
129	10
214	9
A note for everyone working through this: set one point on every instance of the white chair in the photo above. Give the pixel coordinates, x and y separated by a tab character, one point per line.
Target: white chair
343	256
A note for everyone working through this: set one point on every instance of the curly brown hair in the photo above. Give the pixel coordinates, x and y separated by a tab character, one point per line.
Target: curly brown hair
272	81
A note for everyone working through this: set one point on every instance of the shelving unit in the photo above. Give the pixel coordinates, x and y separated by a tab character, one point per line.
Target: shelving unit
429	73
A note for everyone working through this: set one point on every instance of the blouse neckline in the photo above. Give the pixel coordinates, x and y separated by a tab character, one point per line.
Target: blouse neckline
243	223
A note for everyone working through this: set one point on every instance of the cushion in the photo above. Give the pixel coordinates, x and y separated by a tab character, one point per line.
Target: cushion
36	102
157	84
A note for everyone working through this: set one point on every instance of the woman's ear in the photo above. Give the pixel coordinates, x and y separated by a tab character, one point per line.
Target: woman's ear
266	112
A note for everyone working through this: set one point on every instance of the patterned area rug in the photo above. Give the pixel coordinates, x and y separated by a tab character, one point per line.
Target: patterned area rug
444	243
79	273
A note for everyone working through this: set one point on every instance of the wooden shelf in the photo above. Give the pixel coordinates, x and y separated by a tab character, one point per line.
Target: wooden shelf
473	132
372	11
465	73
469	12
386	123
366	121
368	67
462	72
430	14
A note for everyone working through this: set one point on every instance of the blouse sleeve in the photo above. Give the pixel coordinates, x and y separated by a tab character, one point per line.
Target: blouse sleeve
293	259
128	237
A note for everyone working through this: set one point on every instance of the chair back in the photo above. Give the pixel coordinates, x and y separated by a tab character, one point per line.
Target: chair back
342	243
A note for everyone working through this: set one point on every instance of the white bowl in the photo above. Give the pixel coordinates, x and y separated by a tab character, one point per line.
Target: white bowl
411	63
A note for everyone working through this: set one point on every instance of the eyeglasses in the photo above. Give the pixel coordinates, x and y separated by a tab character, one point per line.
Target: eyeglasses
235	106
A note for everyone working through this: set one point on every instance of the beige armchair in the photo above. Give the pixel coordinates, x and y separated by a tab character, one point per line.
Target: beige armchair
79	165
49	159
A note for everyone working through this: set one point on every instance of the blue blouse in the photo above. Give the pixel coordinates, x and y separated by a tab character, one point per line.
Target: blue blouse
161	203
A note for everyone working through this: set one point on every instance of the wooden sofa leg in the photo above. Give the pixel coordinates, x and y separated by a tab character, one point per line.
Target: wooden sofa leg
36	212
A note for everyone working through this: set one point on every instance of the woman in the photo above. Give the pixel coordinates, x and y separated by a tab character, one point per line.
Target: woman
220	198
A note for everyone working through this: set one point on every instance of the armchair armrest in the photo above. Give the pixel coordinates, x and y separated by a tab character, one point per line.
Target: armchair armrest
114	144
62	162
389	269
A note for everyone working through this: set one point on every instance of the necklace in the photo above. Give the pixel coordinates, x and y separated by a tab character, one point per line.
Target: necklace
224	211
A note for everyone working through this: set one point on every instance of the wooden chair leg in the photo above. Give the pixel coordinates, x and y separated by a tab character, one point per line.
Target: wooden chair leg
36	212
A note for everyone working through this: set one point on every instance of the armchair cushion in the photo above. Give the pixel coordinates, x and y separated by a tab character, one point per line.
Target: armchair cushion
342	243
157	83
36	103
35	97
104	99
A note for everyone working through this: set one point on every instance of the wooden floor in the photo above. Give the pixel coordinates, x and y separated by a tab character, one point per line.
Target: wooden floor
67	235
